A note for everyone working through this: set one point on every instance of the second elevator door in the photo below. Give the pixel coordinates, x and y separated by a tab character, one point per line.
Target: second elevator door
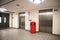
22	21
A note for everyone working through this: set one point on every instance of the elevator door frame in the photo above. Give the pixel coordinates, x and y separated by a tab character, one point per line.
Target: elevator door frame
42	11
20	20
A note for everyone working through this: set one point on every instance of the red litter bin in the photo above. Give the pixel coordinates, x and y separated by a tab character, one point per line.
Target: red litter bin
33	27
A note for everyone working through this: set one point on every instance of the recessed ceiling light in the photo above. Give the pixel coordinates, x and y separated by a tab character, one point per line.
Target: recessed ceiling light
36	1
17	5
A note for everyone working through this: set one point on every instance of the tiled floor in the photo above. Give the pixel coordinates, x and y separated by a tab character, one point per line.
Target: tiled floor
19	34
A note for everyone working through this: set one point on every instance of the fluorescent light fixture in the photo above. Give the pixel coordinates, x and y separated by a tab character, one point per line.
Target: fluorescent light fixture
47	13
22	14
3	9
36	1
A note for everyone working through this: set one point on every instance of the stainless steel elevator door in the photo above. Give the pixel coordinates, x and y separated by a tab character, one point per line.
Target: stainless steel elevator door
22	21
45	23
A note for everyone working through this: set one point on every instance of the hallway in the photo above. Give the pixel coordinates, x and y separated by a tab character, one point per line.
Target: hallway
19	34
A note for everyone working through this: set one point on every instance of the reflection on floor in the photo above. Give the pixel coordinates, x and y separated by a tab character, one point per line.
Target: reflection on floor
19	34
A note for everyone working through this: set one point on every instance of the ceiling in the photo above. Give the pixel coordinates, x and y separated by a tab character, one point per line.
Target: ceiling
4	1
25	4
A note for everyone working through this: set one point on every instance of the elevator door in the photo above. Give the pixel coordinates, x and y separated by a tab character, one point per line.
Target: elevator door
22	21
45	22
4	20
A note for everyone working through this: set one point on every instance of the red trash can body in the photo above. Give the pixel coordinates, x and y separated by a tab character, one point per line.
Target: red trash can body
33	27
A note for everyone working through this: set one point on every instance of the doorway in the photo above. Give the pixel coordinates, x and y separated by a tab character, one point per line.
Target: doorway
22	20
45	21
4	20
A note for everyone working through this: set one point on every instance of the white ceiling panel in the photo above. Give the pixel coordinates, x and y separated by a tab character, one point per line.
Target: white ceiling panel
25	4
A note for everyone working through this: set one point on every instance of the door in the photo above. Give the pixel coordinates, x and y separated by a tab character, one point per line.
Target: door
45	21
22	21
0	20
4	20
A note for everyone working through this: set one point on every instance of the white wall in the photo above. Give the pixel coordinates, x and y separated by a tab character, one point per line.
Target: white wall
27	27
10	20
15	20
56	22
34	17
